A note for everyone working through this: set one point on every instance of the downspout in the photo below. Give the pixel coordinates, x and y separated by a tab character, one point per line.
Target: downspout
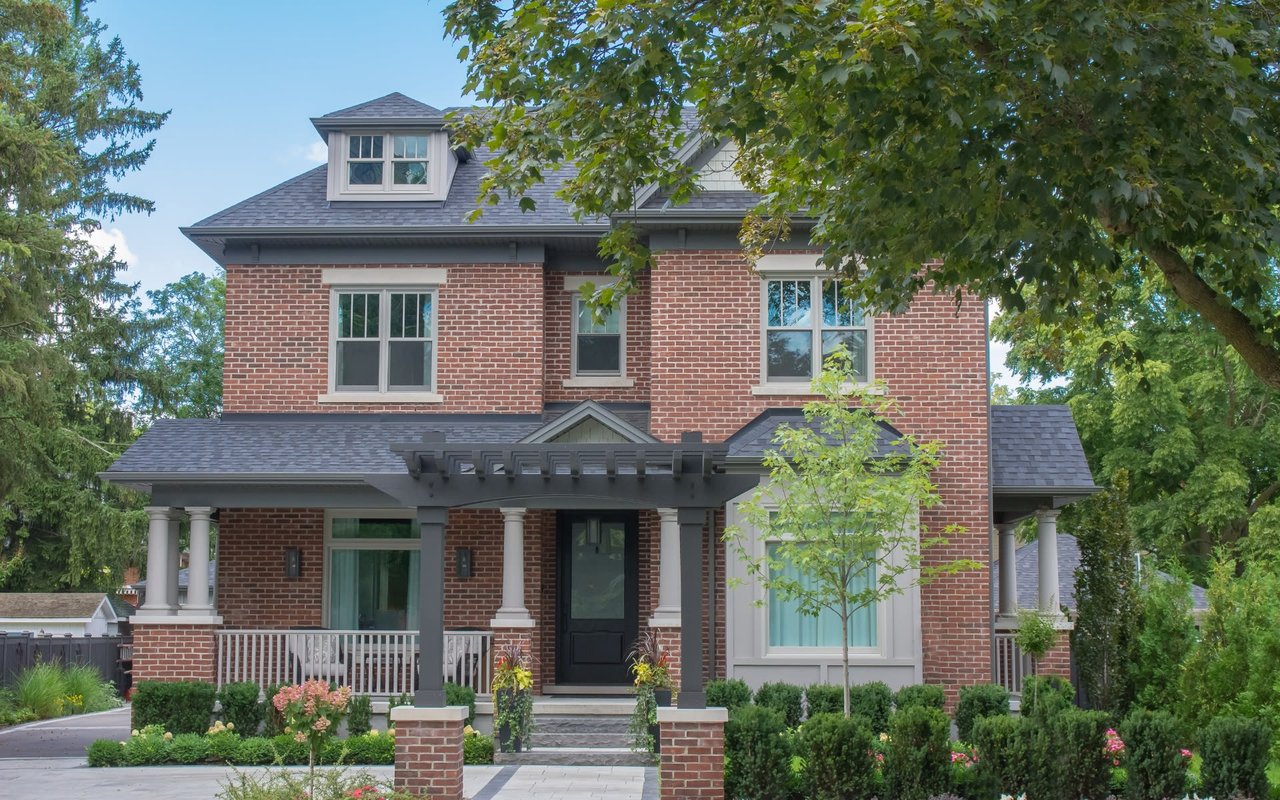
991	510
713	658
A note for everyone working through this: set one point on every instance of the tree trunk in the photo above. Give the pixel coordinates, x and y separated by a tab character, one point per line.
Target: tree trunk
844	651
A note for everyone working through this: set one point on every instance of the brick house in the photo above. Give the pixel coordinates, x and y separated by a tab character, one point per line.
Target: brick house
429	450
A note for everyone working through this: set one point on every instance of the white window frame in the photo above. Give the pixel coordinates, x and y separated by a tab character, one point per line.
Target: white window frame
384	390
574	301
437	158
785	385
331	544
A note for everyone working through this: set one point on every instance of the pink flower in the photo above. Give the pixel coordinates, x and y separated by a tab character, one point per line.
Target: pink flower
1186	753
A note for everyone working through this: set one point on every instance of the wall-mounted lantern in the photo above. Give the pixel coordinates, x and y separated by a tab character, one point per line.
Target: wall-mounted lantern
292	562
463	561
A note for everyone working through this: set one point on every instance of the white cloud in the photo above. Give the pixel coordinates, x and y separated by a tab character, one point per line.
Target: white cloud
103	239
316	153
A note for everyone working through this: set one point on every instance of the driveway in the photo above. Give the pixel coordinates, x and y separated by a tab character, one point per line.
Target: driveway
64	737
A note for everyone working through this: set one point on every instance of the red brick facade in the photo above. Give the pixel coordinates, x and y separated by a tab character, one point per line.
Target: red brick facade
173	652
429	758
691	763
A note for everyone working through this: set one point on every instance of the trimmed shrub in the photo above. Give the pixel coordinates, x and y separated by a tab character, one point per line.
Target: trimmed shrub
360	712
918	764
839	757
923	695
823	698
457	695
785	698
873	701
181	707
371	748
105	753
1235	752
1046	694
979	702
757	755
241	706
997	741
289	750
272	720
147	748
224	746
1154	764
1082	767
255	750
188	748
731	694
477	749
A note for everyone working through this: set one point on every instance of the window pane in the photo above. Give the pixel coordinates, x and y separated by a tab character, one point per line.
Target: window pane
853	341
789	304
364	173
373	589
410	365
789	628
598	570
599	353
789	354
409	147
838	309
373	528
608	321
410	173
357	366
410	315
358	315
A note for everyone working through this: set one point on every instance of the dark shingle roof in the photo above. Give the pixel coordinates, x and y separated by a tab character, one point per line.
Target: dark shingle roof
184	577
755	438
49	605
1027	569
708	201
391	106
1037	447
297	446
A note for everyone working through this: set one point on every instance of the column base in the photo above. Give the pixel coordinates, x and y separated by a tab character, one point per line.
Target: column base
691	762
429	751
665	618
512	618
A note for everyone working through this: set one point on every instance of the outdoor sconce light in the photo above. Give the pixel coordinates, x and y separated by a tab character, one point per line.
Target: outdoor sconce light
462	562
292	562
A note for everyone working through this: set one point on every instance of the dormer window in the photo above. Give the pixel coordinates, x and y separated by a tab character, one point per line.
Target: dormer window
371	166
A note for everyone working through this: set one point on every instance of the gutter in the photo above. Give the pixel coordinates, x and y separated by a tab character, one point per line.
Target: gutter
584	230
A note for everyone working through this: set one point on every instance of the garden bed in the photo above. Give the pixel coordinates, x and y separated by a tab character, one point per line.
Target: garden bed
46	691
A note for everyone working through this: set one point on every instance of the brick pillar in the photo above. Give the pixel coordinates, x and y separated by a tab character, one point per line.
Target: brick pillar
691	765
1057	661
174	648
669	640
429	751
527	638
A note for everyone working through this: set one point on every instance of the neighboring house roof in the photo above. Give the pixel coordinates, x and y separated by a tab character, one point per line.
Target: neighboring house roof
184	577
758	436
53	605
1027	570
1037	447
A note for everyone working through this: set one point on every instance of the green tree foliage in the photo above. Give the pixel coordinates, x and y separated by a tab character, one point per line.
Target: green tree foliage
182	360
844	514
1105	636
1008	145
69	128
1160	398
1166	638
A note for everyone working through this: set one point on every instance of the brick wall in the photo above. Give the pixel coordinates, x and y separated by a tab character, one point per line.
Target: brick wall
933	358
173	652
489	341
559	346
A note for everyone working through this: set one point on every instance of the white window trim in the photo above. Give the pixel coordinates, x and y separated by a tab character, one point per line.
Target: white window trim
803	386
437	160
426	277
383	393
603	379
331	544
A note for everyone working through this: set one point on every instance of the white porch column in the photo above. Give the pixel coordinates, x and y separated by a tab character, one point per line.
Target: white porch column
667	614
1008	569
513	613
175	558
1047	535
158	575
198	564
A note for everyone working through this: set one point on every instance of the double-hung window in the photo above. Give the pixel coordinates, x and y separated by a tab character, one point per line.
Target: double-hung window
388	162
805	320
384	340
598	340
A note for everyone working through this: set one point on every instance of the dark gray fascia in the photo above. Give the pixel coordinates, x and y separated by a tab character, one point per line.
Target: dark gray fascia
1015	491
326	125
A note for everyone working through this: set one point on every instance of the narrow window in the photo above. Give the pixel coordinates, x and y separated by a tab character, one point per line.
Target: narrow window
409	160
409	346
789	330
843	325
597	340
357	350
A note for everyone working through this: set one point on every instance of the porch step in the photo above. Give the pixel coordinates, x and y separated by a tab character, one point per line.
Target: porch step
580	724
573	707
587	690
576	756
580	739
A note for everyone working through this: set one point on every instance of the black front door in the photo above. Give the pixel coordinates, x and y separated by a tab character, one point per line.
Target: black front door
599	595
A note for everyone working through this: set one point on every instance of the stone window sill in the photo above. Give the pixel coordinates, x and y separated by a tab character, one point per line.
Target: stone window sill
381	397
805	390
599	382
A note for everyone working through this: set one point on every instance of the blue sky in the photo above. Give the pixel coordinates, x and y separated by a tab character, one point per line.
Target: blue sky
242	79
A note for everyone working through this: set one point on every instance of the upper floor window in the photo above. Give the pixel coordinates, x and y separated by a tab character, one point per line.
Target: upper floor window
389	165
383	340
805	320
598	339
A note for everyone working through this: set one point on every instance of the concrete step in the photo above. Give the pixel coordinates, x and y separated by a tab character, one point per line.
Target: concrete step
588	690
580	725
577	757
548	738
573	706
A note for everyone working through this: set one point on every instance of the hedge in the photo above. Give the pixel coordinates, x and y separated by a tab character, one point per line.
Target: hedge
178	707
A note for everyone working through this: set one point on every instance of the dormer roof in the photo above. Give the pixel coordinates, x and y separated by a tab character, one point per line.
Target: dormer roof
392	110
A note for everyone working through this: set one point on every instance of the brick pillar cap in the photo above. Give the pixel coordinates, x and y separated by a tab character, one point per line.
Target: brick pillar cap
416	714
692	716
141	618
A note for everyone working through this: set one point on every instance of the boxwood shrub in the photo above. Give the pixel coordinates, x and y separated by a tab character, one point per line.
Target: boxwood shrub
188	748
458	695
999	768
254	750
477	748
979	702
839	757
1235	752
823	698
925	695
731	694
147	748
105	753
241	706
179	707
1046	694
918	764
1081	767
757	755
785	698
1154	765
873	701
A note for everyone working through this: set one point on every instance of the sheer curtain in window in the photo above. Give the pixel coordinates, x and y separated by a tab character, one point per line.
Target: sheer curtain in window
789	628
343	594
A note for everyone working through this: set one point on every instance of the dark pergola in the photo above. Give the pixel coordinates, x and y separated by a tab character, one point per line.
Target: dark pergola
689	476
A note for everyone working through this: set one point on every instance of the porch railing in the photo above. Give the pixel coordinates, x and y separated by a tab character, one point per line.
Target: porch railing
1012	665
378	663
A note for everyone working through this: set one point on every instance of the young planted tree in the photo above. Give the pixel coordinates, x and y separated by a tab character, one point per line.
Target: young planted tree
843	508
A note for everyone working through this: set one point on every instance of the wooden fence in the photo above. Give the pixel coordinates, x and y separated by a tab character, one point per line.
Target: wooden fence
110	654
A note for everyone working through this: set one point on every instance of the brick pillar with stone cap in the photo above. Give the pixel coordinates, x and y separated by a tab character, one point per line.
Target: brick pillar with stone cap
429	751
691	763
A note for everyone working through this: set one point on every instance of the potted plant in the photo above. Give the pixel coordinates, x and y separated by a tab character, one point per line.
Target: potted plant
512	698
650	664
